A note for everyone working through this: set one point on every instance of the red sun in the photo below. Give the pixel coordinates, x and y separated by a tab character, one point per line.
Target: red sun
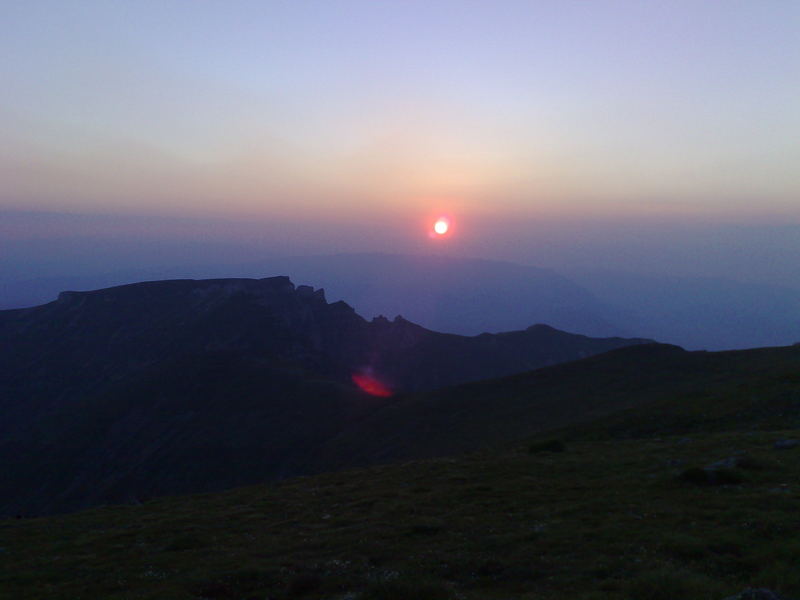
441	227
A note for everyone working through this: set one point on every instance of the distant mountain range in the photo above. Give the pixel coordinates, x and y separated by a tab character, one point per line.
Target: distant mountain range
176	386
699	313
470	296
454	295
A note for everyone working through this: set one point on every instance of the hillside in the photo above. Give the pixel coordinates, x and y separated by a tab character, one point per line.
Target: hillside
167	387
649	389
97	335
614	510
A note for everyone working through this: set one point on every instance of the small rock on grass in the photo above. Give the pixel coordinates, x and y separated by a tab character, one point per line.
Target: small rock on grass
786	444
757	594
726	463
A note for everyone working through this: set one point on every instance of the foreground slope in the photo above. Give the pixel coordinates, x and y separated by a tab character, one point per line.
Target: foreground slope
131	392
612	515
662	389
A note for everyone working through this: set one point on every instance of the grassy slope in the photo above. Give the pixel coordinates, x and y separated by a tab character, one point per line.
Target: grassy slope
602	520
640	390
608	518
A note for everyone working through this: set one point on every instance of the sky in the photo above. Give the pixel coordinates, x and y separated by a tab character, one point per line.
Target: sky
539	128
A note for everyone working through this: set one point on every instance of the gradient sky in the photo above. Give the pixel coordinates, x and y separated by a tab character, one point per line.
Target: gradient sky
334	113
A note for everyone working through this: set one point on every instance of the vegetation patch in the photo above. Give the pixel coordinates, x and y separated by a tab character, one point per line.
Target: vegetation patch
406	590
607	520
547	446
236	585
701	476
670	583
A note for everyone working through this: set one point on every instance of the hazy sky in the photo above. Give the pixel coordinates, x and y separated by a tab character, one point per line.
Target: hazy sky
375	116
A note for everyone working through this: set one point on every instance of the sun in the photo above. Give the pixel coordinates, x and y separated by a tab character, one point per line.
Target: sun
440	227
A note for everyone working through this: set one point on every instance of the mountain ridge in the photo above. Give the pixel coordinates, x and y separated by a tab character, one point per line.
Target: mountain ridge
112	393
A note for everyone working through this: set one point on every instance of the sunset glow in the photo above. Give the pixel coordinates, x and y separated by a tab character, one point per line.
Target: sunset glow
283	129
487	135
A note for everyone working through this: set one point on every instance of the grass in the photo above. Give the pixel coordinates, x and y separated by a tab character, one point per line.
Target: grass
547	446
622	507
603	519
635	392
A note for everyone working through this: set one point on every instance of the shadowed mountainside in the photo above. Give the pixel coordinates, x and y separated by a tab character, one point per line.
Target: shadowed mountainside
653	388
179	386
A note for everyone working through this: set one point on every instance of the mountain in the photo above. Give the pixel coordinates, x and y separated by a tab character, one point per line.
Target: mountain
458	295
471	296
687	489
455	295
699	313
176	386
651	389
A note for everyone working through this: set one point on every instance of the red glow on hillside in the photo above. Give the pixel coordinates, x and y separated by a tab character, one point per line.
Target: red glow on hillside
371	385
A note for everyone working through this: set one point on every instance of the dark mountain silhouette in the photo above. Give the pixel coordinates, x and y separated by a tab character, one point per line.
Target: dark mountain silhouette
178	386
456	295
470	296
467	296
